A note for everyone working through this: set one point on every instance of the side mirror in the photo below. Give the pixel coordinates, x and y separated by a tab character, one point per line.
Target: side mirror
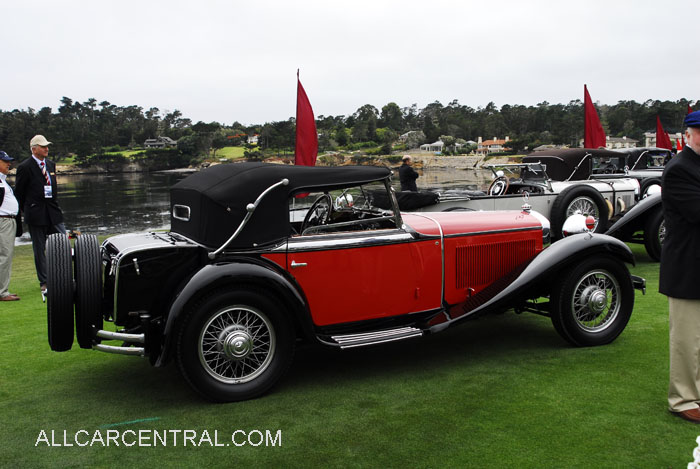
578	223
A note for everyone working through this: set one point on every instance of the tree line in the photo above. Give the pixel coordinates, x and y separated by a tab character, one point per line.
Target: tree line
92	131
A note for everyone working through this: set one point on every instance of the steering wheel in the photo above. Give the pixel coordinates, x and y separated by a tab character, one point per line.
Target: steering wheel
499	186
610	169
323	215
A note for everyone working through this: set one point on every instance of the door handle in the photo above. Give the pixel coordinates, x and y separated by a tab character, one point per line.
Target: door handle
300	264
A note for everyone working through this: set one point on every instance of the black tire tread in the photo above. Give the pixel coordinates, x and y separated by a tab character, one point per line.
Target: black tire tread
561	295
59	300
191	369
88	289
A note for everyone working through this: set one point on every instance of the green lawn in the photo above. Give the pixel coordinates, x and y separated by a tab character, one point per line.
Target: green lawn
230	153
503	391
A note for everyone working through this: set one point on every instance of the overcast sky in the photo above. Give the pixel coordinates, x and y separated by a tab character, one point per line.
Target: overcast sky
232	61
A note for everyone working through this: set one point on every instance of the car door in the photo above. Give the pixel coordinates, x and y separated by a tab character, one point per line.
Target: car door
367	274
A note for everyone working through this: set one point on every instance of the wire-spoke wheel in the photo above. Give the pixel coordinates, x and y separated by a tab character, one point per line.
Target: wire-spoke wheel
585	206
593	302
580	198
596	301
235	345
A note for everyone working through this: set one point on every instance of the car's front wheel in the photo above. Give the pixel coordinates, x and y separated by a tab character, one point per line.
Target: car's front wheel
235	345
593	302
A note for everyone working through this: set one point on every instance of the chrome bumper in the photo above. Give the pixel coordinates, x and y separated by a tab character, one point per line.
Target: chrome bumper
639	283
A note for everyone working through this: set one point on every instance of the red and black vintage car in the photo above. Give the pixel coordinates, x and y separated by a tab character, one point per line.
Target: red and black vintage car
258	258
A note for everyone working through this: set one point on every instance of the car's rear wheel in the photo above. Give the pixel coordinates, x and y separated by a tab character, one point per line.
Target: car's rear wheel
583	199
59	297
235	345
593	302
88	289
654	234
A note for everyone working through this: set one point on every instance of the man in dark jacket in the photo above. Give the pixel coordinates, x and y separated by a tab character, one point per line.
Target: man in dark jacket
36	191
408	175
679	277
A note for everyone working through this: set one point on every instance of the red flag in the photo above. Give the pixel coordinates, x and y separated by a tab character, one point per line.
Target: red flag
689	109
662	139
680	143
306	137
593	133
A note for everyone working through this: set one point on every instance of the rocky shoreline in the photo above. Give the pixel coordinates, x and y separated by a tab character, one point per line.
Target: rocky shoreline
421	161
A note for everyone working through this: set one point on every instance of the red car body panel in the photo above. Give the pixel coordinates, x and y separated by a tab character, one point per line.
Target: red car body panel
360	283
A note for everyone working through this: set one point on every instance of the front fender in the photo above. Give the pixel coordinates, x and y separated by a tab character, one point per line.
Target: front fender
544	266
640	210
214	276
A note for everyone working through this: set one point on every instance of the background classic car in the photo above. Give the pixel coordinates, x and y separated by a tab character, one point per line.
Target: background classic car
642	225
263	256
555	198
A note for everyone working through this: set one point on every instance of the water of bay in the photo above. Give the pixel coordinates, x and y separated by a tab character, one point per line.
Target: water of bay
117	203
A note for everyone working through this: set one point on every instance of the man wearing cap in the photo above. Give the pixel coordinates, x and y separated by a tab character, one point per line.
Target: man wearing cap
36	191
679	274
408	175
9	220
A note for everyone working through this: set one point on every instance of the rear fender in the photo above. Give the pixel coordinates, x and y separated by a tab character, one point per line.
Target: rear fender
215	276
545	266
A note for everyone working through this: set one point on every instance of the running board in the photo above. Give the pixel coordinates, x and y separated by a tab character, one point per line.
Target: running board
376	337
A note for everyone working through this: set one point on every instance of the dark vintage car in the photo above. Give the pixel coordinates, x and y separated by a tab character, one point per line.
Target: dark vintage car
644	224
261	257
644	164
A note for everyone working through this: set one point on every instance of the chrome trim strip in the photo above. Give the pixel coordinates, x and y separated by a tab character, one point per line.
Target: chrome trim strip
136	351
109	335
476	233
442	252
250	208
317	242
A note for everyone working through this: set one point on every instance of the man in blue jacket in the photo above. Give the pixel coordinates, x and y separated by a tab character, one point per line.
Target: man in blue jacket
680	272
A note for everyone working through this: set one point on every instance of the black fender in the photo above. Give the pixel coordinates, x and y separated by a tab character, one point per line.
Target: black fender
542	268
214	276
639	211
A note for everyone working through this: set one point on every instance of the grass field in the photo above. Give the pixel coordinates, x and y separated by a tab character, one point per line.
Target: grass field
503	391
231	153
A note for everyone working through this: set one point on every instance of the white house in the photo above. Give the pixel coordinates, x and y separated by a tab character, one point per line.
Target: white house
160	142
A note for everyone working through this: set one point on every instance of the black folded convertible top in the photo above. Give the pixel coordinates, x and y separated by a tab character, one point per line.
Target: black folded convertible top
216	198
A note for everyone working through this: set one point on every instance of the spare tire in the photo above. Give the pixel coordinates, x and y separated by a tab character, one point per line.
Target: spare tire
88	289
583	198
59	297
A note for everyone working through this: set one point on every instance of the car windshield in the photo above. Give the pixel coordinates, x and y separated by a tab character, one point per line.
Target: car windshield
531	172
356	208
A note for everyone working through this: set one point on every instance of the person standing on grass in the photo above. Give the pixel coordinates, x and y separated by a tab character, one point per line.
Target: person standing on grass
36	190
408	175
10	227
680	271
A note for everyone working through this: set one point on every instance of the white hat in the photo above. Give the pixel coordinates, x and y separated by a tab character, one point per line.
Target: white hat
406	157
39	140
